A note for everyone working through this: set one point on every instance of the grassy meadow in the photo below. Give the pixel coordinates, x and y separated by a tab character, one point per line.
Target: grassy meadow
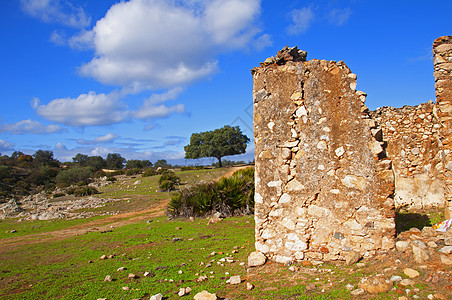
37	264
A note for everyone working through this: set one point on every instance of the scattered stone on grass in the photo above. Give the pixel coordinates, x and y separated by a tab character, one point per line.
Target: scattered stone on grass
407	282
375	284
349	287
103	257
132	276
234	280
107	278
121	269
256	259
157	297
125	288
205	295
395	278
357	292
411	273
249	286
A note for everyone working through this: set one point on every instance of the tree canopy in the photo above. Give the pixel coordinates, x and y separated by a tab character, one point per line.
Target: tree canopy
217	143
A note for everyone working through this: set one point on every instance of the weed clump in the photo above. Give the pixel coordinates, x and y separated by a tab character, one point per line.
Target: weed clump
229	196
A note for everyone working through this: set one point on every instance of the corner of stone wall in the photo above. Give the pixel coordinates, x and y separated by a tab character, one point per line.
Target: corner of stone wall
442	61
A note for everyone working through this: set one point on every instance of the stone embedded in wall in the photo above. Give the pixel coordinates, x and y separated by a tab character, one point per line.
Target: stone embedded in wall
323	184
442	61
413	145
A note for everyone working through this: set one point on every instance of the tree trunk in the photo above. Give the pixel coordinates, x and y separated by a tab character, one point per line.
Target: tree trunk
219	161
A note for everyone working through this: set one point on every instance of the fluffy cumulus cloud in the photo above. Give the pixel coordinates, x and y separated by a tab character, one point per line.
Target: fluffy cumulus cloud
30	126
56	11
301	20
159	44
85	110
108	138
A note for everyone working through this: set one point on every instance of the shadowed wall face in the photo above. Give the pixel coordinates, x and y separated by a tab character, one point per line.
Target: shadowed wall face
323	185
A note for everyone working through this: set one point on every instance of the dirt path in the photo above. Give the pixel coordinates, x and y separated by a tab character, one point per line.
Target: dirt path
103	224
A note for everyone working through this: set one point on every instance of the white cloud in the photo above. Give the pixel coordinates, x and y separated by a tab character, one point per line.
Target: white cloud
85	110
6	146
154	44
148	112
109	137
58	38
60	146
339	16
152	108
263	41
301	20
56	11
30	126
150	127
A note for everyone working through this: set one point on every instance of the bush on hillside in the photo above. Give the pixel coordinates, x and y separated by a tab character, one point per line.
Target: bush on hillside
168	181
134	171
229	196
81	191
149	172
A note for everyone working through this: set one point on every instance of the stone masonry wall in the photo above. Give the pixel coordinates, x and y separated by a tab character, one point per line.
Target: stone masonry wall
413	144
442	61
323	183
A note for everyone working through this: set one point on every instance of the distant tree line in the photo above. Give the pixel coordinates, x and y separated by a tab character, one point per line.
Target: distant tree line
22	174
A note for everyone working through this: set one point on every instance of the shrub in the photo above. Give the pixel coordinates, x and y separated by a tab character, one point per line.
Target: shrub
134	171
168	181
82	191
149	172
73	175
111	179
229	196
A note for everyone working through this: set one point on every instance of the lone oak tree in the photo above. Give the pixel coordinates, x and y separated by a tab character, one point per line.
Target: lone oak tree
217	143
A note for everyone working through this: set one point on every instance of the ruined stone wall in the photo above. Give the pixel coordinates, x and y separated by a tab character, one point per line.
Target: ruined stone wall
323	184
442	61
413	144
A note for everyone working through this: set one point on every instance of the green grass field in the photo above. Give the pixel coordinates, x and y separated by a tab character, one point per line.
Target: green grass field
175	253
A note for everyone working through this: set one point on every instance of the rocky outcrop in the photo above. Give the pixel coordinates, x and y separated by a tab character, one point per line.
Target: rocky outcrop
323	182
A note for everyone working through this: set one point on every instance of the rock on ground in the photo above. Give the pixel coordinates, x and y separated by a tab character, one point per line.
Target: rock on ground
157	297
375	284
205	295
256	258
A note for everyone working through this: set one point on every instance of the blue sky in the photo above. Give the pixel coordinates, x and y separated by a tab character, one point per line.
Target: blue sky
139	77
